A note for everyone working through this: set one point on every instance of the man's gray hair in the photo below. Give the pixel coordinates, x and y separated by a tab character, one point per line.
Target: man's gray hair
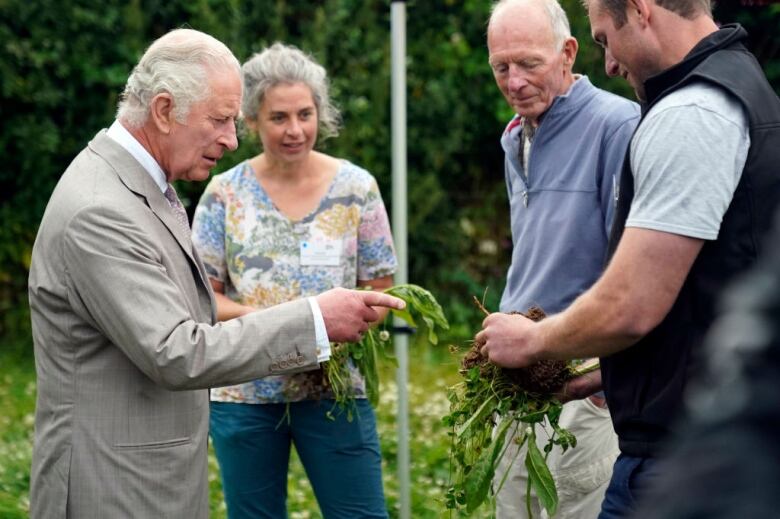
178	63
559	22
282	64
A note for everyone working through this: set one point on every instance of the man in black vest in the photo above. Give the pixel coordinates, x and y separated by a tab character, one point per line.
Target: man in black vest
699	186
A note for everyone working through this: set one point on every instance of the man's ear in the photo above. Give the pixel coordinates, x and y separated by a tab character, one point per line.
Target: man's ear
570	47
161	112
640	9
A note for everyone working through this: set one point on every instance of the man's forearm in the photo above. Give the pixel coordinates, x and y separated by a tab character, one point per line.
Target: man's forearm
635	293
595	325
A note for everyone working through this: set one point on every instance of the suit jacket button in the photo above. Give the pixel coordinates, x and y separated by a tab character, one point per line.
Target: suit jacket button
275	366
283	364
299	359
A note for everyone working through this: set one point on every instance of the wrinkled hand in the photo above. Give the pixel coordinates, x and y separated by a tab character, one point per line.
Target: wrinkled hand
348	313
508	340
582	387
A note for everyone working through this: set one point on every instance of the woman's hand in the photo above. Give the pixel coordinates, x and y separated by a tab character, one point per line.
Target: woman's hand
227	308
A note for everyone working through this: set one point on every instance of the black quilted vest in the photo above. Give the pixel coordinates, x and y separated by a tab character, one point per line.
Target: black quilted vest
644	383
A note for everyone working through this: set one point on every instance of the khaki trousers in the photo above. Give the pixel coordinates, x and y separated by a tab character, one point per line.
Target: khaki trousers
581	474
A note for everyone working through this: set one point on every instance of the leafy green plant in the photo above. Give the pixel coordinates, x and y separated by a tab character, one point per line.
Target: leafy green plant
371	348
492	404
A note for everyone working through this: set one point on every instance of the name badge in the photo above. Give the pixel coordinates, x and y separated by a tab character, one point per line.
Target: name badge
321	253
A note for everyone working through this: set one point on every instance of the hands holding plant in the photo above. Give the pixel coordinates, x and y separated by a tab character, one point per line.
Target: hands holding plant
366	348
349	313
509	340
494	403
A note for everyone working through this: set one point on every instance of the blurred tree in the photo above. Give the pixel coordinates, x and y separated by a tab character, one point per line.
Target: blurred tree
60	72
761	18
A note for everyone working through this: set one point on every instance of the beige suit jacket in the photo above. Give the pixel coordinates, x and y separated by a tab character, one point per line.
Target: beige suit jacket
126	345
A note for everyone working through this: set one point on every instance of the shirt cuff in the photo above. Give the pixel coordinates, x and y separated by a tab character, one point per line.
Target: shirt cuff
320	332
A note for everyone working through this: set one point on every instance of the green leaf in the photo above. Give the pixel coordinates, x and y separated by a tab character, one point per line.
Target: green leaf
554	412
564	438
405	315
432	337
383	353
484	410
419	301
478	481
540	477
536	416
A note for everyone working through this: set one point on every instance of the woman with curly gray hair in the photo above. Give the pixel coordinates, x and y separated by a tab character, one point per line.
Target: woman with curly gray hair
288	223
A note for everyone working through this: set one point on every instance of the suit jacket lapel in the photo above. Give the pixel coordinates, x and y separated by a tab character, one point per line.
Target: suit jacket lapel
138	180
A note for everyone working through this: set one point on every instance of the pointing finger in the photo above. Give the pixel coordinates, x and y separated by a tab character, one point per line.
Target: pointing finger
371	298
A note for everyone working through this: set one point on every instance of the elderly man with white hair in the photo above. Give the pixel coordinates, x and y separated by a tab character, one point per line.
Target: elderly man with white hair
564	150
124	325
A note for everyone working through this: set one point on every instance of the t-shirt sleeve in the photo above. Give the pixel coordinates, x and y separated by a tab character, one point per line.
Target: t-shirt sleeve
687	159
208	231
376	254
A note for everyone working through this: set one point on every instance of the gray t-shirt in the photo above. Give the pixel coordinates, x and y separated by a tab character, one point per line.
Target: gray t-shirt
687	158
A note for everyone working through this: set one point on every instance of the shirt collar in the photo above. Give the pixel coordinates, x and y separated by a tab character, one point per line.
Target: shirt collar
124	138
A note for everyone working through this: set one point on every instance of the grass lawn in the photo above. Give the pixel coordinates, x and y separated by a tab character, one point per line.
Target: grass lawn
432	369
17	401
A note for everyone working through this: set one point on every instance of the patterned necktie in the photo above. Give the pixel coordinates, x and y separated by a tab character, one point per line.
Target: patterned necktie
178	209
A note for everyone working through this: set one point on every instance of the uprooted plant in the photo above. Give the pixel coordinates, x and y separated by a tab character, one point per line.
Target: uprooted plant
367	353
492	404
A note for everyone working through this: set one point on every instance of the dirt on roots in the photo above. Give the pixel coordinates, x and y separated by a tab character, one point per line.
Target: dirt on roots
543	378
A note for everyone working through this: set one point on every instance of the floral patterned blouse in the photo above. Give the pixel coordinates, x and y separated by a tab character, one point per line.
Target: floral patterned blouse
263	258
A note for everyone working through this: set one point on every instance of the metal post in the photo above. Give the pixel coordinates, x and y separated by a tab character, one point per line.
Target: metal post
401	340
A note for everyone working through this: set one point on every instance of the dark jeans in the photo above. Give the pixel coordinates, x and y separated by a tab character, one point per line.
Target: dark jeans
631	478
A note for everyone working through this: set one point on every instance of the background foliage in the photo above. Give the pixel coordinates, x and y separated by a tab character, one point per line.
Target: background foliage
63	64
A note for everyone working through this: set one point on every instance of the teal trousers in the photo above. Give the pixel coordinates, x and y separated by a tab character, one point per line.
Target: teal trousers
341	458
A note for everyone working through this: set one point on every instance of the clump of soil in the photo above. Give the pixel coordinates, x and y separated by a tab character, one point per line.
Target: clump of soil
543	378
474	357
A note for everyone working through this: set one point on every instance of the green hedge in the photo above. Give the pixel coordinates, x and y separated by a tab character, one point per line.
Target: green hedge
63	64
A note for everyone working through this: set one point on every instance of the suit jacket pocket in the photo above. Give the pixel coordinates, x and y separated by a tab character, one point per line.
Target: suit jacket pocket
169	476
153	445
